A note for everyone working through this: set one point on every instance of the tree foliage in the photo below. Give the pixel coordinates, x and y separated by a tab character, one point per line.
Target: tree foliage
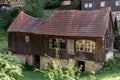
7	17
34	8
52	4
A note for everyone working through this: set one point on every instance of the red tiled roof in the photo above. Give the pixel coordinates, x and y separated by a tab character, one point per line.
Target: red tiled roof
66	23
76	23
24	23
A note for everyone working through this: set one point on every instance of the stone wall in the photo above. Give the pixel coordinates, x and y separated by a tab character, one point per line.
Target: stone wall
21	57
92	66
45	61
25	59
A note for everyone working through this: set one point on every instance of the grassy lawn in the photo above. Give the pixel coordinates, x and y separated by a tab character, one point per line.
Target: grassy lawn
30	75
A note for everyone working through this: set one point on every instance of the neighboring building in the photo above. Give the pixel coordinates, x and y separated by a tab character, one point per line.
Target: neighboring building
18	3
4	6
67	2
86	37
13	3
97	4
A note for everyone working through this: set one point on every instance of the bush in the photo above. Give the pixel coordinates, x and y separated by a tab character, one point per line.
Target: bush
7	17
113	65
10	69
117	42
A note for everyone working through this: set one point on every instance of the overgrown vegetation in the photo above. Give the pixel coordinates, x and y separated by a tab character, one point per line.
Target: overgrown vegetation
10	69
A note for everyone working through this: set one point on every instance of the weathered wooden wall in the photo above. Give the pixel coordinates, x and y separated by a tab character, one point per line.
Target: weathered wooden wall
17	43
39	45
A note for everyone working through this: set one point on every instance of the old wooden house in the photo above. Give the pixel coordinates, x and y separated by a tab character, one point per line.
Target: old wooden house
98	4
86	37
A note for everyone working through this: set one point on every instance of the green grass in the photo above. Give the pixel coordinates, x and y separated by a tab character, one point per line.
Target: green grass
29	74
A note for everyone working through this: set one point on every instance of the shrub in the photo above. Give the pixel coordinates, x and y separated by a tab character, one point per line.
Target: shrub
117	42
10	69
112	65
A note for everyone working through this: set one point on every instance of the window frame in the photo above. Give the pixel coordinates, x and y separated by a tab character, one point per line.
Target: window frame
90	5
27	38
58	42
89	48
118	14
86	5
102	4
117	3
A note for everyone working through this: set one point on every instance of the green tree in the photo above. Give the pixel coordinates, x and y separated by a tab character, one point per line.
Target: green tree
34	8
7	17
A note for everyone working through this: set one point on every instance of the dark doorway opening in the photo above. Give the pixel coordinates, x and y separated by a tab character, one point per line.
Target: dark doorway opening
81	63
36	61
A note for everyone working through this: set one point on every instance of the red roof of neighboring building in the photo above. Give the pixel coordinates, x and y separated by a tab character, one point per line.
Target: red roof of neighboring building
65	23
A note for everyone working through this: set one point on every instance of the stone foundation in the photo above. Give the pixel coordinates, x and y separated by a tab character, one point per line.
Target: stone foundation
92	66
30	60
109	55
21	58
45	61
25	59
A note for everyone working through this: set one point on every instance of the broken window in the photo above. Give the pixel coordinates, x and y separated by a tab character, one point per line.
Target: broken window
85	45
57	43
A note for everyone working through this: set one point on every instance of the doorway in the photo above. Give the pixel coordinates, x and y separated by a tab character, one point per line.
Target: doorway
83	65
36	61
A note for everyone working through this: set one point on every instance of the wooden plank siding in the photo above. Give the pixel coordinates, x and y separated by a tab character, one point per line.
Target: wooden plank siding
17	44
39	45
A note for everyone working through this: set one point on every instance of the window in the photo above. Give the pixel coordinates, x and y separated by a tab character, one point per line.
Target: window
102	4
85	45
86	5
117	3
57	43
90	5
118	14
27	39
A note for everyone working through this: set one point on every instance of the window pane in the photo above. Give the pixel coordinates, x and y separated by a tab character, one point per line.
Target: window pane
27	39
57	43
62	45
86	5
90	5
85	45
102	4
117	3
